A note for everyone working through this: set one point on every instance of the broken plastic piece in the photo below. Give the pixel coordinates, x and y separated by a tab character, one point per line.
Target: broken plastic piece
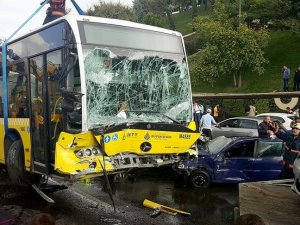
161	208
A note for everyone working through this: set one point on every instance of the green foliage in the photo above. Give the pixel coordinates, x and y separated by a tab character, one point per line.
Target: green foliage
266	10
282	49
110	10
229	50
194	8
262	105
155	20
140	9
234	107
159	7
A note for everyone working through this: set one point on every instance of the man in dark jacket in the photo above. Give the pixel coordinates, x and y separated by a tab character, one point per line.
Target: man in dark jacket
297	79
56	10
265	128
292	148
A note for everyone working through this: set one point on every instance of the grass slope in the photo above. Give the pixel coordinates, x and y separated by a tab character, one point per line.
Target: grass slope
182	20
282	49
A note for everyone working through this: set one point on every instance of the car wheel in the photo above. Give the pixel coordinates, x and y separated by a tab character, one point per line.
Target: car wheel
200	179
16	165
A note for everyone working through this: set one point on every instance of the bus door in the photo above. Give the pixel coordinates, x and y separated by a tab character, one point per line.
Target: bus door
45	97
39	136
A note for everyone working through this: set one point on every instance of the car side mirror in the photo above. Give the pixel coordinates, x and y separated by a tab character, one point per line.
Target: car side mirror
220	158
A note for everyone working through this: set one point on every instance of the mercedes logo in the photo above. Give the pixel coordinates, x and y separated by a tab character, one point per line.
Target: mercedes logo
146	147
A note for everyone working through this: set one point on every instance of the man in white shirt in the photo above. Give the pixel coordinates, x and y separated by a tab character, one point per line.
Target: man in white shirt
197	114
206	123
122	113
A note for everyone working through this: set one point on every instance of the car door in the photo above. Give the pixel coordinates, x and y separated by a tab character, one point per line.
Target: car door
227	128
248	127
267	164
234	164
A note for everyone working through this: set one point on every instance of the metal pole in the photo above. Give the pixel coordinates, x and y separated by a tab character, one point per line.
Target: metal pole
79	10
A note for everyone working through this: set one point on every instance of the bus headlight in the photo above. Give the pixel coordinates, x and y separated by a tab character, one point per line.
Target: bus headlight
93	151
88	152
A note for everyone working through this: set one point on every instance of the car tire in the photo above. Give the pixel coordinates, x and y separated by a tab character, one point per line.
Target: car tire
200	179
16	165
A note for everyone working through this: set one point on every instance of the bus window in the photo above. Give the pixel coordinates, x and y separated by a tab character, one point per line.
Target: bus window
17	91
38	129
54	69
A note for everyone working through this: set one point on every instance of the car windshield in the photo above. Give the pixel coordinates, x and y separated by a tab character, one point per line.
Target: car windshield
217	144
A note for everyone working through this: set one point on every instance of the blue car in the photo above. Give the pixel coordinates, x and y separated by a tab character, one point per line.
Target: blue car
234	160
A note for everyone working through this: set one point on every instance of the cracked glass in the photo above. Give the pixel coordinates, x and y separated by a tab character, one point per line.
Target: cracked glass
154	85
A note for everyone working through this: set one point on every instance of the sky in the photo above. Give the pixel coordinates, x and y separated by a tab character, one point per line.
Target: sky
14	12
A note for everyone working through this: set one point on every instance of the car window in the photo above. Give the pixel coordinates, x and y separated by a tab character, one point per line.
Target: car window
277	118
269	149
217	144
249	124
244	149
292	117
274	118
230	123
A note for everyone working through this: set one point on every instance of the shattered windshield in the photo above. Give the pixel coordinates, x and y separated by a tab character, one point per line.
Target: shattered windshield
131	85
217	144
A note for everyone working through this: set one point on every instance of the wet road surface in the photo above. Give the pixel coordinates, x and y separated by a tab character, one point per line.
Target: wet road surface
83	204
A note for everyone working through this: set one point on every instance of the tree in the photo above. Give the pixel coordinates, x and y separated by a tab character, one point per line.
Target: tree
267	10
110	10
155	20
140	10
159	7
229	49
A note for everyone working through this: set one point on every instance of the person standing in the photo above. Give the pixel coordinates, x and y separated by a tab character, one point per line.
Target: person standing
265	128
286	76
292	148
289	111
56	10
216	112
201	110
206	123
197	114
251	110
297	80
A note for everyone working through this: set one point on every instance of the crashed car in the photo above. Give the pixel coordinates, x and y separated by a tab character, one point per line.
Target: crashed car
234	160
296	185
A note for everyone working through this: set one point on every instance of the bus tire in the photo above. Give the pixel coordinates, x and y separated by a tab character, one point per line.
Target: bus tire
16	164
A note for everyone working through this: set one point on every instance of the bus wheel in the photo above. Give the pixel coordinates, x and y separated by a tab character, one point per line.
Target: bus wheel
16	165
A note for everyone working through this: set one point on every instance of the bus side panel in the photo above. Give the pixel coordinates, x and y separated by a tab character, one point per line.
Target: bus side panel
2	159
21	126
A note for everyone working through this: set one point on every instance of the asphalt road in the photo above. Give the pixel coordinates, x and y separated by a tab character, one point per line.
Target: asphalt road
83	204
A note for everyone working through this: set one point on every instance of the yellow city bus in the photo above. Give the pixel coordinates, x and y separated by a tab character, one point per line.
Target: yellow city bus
65	83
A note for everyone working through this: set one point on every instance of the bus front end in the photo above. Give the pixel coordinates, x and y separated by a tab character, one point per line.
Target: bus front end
134	105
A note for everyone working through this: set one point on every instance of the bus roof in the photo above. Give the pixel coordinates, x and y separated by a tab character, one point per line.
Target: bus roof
74	18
